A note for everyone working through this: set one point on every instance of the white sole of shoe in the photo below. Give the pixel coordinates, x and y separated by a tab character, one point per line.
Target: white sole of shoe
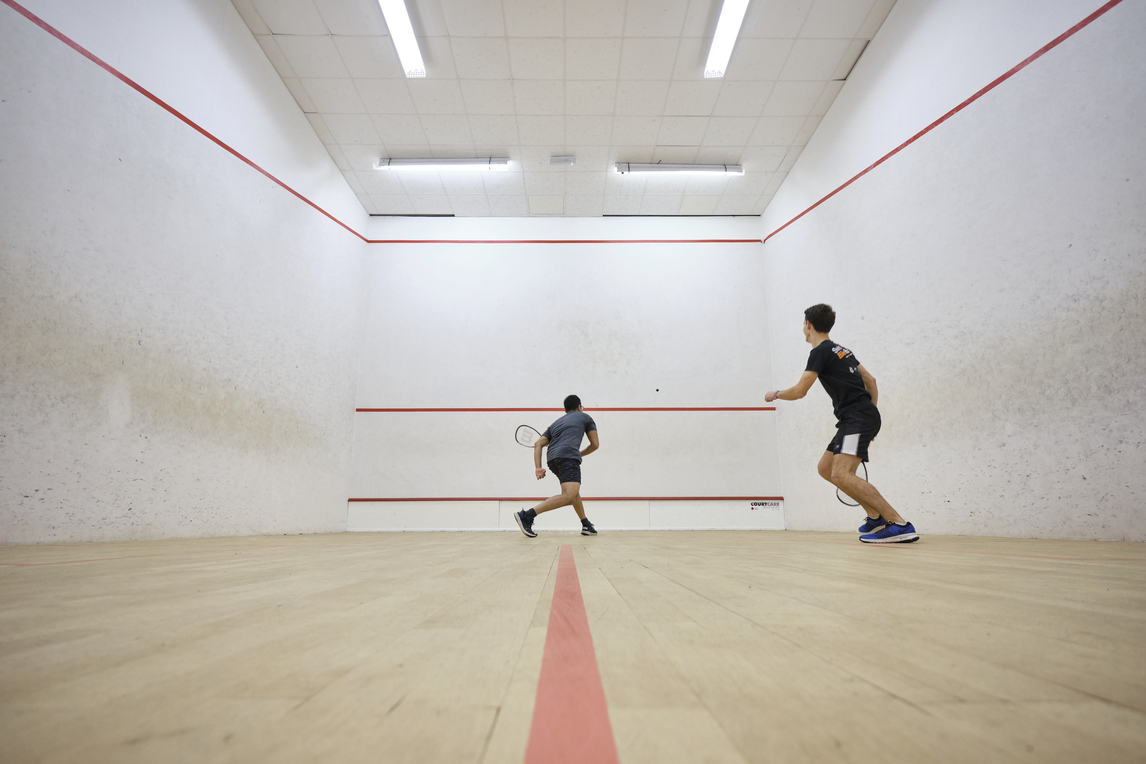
521	525
902	539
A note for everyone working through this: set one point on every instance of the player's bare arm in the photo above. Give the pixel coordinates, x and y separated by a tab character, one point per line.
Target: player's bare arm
796	391
869	385
541	443
594	443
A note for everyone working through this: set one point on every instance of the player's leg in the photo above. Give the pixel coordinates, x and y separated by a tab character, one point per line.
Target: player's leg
587	528
570	492
579	507
825	466
844	468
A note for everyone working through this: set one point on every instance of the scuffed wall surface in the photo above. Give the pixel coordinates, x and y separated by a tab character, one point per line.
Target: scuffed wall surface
993	277
178	333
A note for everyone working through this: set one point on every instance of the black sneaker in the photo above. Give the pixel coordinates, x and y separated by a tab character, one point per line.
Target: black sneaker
587	528
525	523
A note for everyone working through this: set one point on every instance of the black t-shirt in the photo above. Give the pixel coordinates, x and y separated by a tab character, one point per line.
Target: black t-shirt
839	374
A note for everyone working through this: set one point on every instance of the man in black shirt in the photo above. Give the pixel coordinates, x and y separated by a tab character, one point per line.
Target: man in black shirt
854	397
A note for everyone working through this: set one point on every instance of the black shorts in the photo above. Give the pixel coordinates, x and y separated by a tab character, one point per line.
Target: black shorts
855	431
566	470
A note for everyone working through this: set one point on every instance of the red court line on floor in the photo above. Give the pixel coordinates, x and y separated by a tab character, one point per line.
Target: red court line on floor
586	498
127	557
570	714
988	88
649	408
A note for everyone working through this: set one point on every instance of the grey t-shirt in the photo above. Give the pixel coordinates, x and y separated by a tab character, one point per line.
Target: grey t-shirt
566	433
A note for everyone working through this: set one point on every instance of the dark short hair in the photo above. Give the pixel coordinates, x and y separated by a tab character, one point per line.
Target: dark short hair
572	403
821	317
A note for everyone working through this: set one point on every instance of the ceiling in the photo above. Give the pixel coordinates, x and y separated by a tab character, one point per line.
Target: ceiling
604	80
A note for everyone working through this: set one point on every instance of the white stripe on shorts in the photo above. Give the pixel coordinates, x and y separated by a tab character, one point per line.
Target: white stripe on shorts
850	445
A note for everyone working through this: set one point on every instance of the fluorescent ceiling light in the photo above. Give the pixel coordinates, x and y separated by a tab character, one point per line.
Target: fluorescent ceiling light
402	33
495	164
727	28
718	169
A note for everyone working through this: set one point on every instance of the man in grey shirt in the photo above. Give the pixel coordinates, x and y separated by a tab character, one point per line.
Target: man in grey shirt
564	440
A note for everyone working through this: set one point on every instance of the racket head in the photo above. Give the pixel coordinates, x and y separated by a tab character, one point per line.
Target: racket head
846	500
527	436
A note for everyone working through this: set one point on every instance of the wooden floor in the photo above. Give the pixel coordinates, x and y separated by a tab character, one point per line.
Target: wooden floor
712	647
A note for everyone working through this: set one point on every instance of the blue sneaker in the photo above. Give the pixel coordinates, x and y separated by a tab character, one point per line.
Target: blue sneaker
873	524
892	534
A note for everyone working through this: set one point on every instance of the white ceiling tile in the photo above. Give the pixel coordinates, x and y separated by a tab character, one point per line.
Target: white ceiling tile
545	183
399	129
392	204
340	160
773	131
590	97
735	205
546	205
438	57
481	58
589	206
851	56
469	205
334	96
291	17
642	99
761	205
742	99
422	183
366	202
508	205
691	56
758	60
774	184
772	19
594	18
412	150
635	131
813	59
682	131
763	158
301	97
827	97
539	96
385	96
698	205
463	182
628	154
628	184
362	158
536	59
354	183
585	183
875	19
494	129
436	96
672	155
592	58
654	18
836	18
618	204
806	131
320	128
311	56
352	128
369	56
593	130
473	18
657	204
541	131
589	158
692	98
432	204
447	130
790	160
647	59
719	154
534	18
352	17
488	96
728	131
751	183
701	18
536	158
504	183
427	18
275	55
666	184
790	99
251	17
707	185
381	182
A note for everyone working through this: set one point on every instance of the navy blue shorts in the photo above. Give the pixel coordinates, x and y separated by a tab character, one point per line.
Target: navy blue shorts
566	470
855	432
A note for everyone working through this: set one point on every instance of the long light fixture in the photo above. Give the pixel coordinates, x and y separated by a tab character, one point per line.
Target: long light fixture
708	169
476	164
402	33
727	28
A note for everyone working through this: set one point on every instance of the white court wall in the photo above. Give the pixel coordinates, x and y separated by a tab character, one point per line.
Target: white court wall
992	275
178	333
521	325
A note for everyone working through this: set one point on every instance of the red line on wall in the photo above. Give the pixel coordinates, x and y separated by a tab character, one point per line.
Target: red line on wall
585	498
691	408
564	241
988	88
570	714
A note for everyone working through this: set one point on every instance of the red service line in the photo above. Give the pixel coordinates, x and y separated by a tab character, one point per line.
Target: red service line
564	241
586	498
650	408
988	88
570	714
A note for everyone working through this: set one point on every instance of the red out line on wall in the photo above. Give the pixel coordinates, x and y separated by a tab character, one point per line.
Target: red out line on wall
988	88
570	714
652	408
564	241
585	498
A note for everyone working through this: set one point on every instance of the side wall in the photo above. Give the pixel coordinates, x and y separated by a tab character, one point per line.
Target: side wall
992	275
178	333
